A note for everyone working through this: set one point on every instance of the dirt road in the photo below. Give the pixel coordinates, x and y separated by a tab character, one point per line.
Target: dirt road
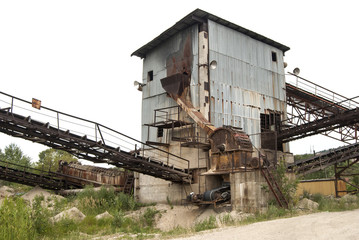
335	225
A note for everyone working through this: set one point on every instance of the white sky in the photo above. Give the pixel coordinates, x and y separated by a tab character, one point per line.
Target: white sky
75	55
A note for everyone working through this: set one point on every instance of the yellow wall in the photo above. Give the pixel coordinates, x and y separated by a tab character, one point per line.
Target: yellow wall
322	187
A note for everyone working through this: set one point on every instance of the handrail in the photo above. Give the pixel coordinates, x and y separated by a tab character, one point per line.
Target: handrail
31	169
101	130
323	92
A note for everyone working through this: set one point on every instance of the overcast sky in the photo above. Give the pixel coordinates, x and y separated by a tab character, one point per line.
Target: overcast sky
75	55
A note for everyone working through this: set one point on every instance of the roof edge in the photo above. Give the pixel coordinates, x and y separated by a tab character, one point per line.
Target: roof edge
196	17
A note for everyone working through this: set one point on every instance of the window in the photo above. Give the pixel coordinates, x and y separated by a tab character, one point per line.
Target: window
149	76
270	123
159	132
274	56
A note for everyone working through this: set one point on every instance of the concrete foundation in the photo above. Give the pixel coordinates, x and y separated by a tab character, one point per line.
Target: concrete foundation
248	191
155	190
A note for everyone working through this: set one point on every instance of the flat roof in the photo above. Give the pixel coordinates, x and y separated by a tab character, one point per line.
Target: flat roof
196	17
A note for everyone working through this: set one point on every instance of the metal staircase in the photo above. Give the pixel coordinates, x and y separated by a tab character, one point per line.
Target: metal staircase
273	185
129	183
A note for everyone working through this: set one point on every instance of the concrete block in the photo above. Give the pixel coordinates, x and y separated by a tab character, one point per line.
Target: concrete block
247	191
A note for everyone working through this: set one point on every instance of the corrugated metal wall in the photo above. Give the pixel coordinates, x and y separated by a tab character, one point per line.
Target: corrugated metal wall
159	61
246	82
324	187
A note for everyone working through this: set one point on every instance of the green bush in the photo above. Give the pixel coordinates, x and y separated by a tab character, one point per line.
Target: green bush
92	202
287	186
15	220
149	217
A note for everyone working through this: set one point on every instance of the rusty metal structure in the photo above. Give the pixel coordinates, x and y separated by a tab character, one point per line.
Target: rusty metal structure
96	143
227	81
46	179
214	118
342	158
315	109
121	179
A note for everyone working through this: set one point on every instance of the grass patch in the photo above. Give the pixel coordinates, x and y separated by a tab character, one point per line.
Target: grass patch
207	224
227	220
92	202
330	204
177	231
20	221
273	212
15	219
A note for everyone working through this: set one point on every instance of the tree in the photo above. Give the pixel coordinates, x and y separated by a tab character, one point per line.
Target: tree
14	154
49	159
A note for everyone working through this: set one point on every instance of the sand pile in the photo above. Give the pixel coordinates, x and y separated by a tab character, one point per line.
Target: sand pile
186	216
49	198
72	213
180	216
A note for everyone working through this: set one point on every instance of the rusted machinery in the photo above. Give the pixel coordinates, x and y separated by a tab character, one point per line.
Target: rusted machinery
213	196
231	149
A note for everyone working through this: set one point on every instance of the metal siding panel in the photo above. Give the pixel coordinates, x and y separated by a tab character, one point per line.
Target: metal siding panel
246	75
153	95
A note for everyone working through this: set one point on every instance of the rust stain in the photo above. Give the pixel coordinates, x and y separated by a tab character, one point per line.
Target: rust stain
231	149
113	177
181	61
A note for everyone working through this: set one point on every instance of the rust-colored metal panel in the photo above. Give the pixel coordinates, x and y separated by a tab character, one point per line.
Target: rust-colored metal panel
175	85
102	176
231	149
230	139
181	61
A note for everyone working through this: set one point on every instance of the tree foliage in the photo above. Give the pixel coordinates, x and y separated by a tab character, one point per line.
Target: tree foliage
14	154
49	159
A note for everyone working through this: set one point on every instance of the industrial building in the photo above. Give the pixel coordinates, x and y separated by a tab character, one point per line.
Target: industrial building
215	124
206	71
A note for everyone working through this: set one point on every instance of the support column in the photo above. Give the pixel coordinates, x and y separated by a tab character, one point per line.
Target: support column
203	79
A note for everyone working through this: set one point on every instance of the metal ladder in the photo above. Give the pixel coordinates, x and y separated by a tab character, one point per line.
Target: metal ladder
128	187
273	185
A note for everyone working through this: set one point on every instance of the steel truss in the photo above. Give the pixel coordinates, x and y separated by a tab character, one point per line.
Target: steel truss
308	102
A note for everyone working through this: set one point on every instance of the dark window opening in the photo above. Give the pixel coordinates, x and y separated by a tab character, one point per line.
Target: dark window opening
206	86
274	56
159	132
150	76
206	99
270	123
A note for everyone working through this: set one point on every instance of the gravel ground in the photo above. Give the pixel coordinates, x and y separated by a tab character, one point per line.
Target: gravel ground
325	225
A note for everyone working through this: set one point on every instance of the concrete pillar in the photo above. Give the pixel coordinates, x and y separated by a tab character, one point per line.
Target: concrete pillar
248	191
203	80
